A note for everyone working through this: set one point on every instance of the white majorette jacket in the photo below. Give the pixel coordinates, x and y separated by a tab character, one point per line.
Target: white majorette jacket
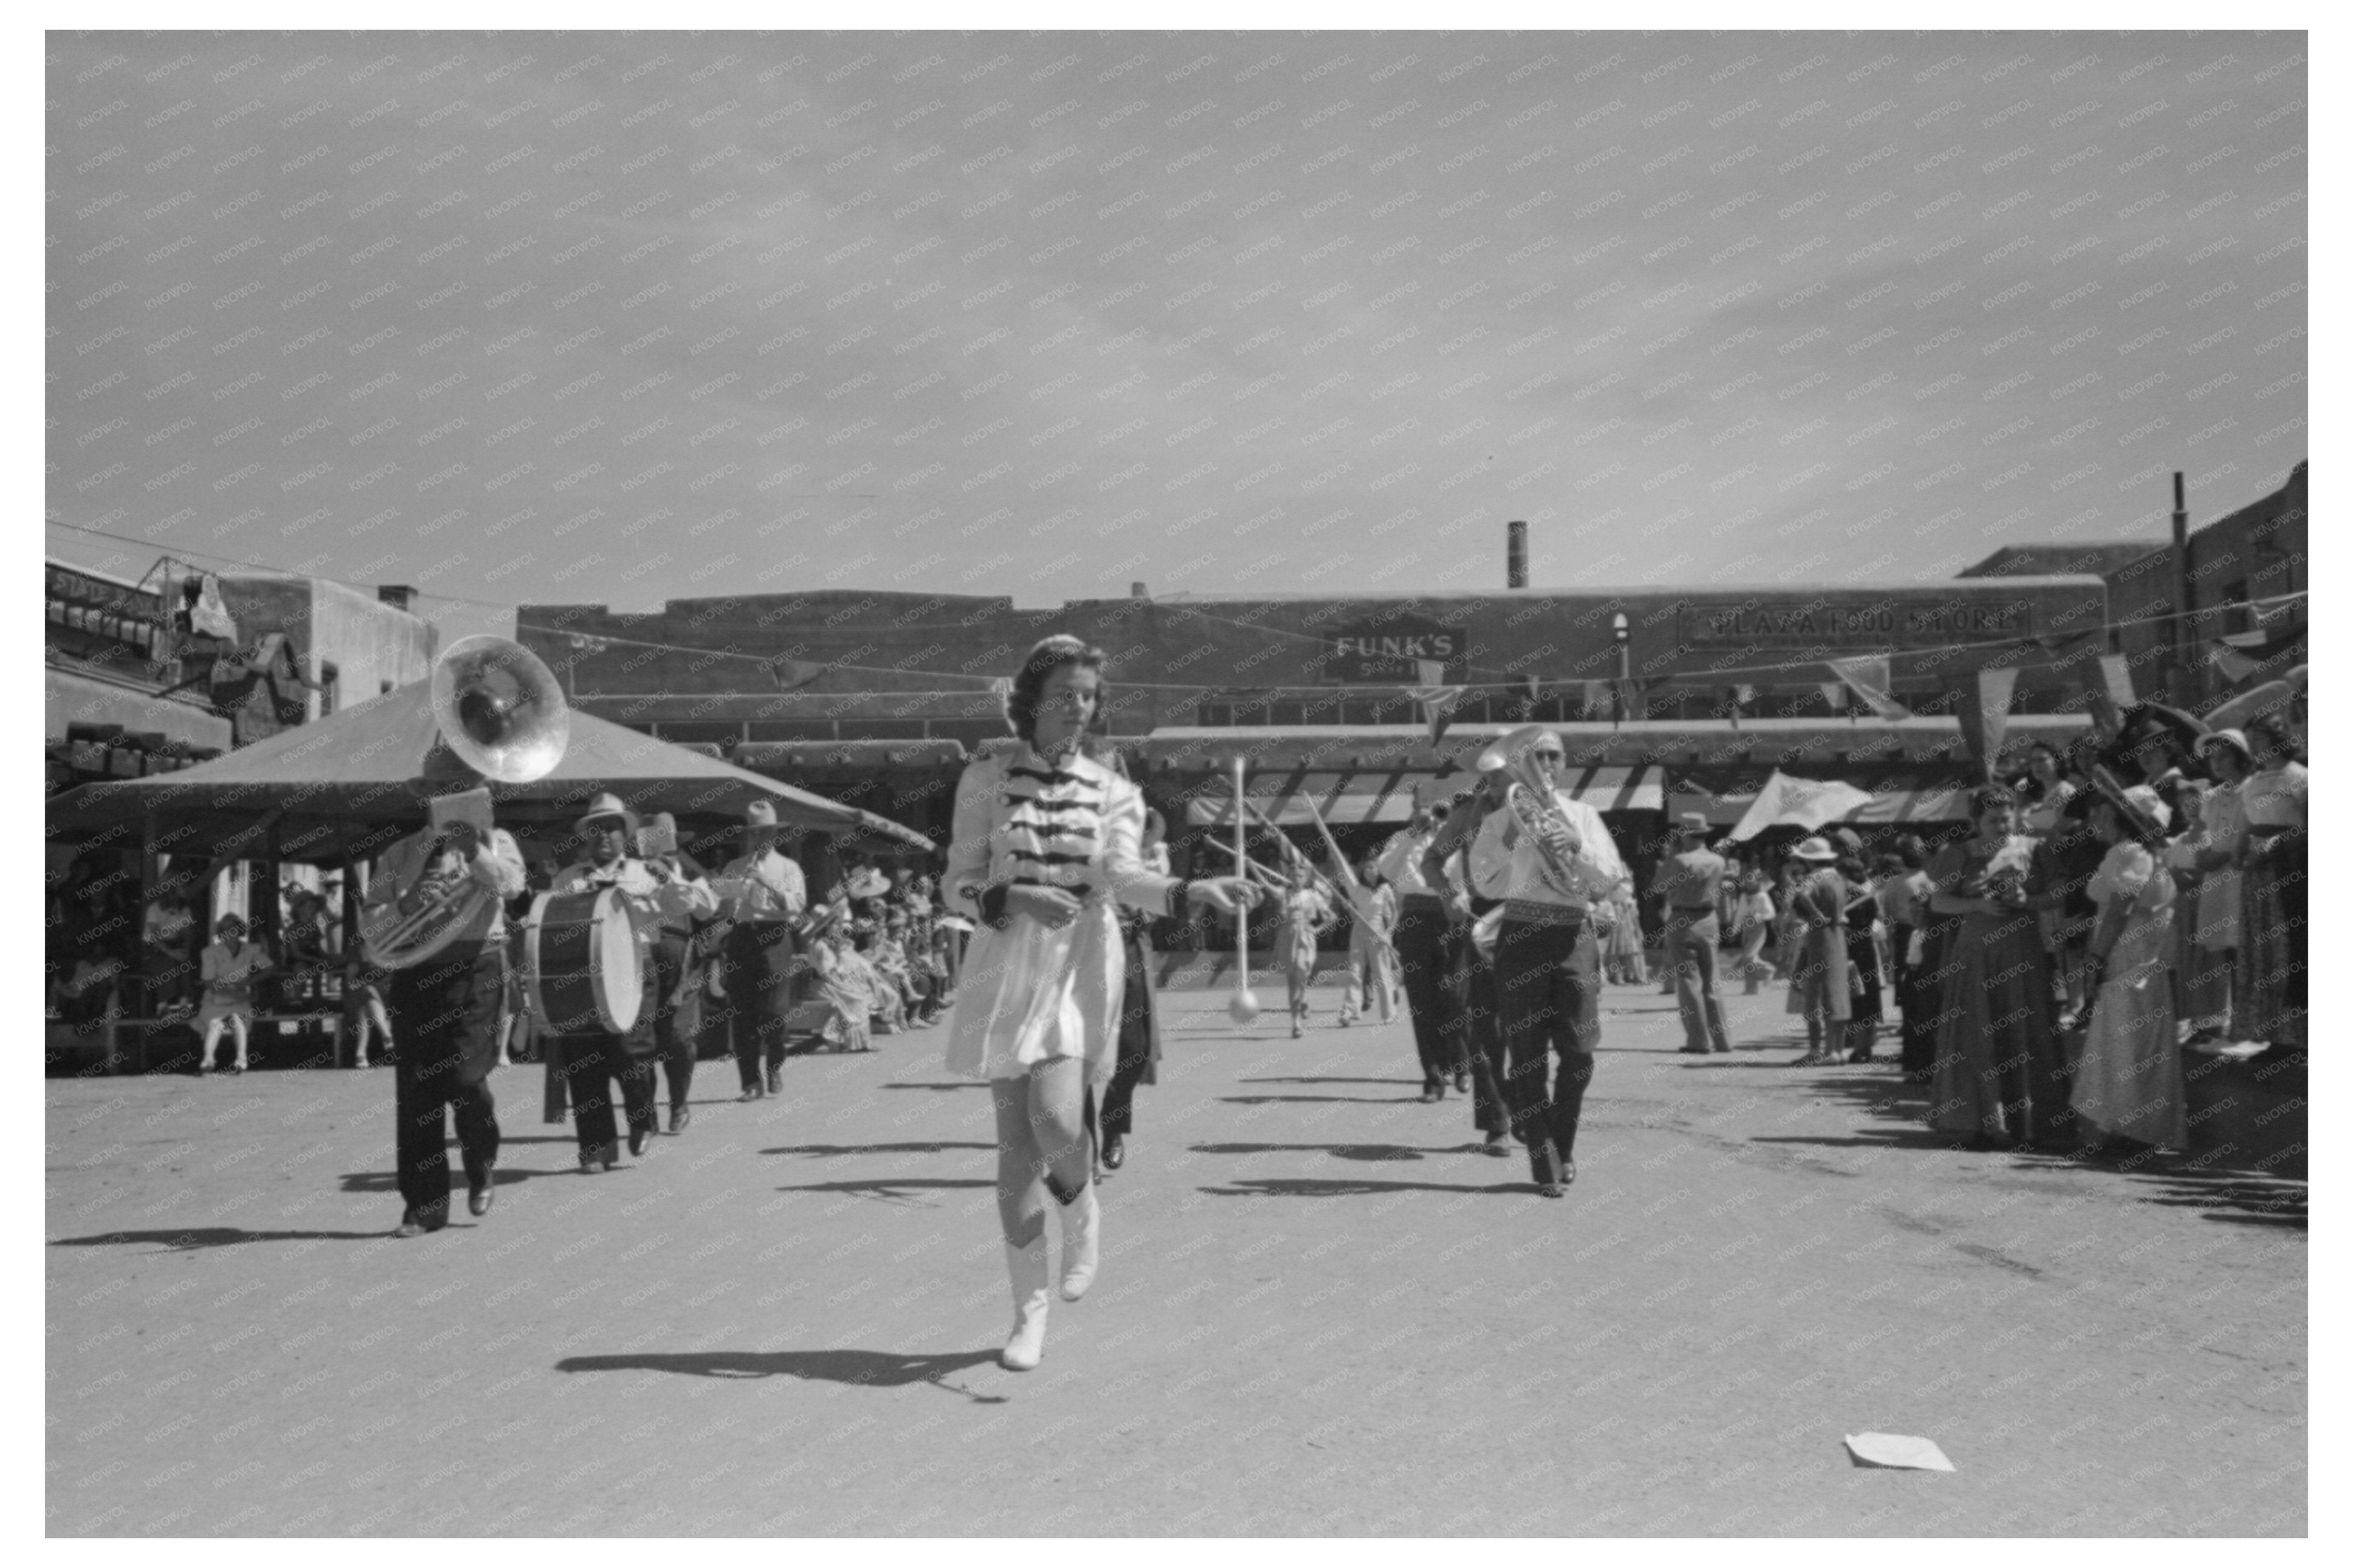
1028	993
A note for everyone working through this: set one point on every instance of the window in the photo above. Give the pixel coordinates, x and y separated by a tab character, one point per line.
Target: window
330	688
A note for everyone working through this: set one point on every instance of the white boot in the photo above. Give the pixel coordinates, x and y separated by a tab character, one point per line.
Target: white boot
1081	1237
1029	1271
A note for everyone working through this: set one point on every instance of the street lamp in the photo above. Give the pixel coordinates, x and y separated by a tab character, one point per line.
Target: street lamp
1619	630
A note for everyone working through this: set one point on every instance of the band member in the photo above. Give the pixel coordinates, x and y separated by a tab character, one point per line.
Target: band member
1372	958
759	949
1469	855
447	1007
1138	1056
1306	914
1046	842
655	895
678	977
1546	968
1428	943
1690	883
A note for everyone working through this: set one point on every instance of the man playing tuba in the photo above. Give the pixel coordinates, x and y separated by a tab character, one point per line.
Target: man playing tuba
1548	968
447	1006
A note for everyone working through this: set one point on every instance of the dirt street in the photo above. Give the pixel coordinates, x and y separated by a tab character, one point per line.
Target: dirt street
1321	1311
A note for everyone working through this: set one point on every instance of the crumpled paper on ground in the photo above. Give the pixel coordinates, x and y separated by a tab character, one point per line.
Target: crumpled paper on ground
1888	1451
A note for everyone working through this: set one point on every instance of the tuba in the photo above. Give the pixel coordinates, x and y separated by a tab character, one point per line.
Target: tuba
1529	800
501	712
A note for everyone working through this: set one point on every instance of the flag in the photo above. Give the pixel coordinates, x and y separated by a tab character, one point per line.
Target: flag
1597	699
1436	697
1834	693
1985	716
2236	665
1630	703
1000	686
1533	685
792	674
1786	802
1868	678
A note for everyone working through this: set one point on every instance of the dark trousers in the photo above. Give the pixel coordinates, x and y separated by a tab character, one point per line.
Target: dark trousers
1428	956
1917	997
1491	1106
591	1063
447	1012
1550	977
759	995
1133	1065
678	1026
1691	937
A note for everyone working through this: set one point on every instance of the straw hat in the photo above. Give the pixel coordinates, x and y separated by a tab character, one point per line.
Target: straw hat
1816	849
607	807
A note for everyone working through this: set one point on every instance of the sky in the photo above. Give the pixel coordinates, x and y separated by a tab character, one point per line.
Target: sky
619	319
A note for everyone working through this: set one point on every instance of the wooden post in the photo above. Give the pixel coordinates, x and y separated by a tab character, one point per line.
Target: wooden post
350	947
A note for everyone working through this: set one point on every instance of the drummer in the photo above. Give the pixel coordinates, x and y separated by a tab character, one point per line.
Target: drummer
771	899
654	895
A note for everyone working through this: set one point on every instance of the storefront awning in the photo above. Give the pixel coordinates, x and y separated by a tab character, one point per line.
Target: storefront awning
1387	796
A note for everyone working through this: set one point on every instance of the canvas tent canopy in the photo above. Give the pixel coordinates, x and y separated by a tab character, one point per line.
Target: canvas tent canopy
340	788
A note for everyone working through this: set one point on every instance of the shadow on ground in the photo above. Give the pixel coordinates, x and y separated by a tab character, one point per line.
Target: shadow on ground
1344	1187
872	1369
828	1150
192	1237
1337	1151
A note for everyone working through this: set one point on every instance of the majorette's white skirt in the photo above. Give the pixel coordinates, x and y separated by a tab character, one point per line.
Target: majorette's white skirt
1027	994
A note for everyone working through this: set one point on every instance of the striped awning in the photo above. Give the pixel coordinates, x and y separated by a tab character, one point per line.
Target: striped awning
1387	797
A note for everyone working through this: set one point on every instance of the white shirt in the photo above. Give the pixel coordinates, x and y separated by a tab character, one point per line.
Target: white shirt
1400	862
778	891
649	899
1598	869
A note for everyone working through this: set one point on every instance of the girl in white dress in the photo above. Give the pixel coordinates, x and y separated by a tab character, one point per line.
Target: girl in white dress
2128	1086
1045	845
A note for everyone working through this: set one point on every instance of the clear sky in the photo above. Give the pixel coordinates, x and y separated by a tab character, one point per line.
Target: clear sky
620	318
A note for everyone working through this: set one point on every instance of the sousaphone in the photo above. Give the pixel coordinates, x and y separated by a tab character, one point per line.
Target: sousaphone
499	710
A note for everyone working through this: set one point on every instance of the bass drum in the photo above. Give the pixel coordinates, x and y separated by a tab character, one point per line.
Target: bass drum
580	963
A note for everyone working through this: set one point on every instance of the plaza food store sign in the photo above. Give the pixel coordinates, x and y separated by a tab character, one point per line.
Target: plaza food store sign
1856	624
1390	650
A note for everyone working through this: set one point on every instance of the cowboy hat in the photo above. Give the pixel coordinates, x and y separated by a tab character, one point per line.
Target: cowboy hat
1815	848
760	814
867	884
607	807
1691	822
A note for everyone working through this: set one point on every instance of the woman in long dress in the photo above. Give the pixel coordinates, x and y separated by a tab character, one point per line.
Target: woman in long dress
1863	991
2001	1074
2272	890
2216	933
1306	915
2128	1086
1372	958
1045	848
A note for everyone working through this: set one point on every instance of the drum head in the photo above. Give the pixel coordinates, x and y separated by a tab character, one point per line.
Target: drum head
618	980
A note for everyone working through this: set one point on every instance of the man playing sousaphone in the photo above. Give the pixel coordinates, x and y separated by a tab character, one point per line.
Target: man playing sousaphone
655	895
457	872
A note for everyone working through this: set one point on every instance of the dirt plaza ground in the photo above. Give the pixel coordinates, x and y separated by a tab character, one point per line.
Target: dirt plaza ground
1321	1311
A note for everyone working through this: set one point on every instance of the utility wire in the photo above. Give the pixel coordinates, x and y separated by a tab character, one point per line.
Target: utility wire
1512	681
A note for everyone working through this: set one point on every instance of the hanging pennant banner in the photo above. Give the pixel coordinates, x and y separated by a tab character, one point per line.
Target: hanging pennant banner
2116	671
1436	697
1985	721
1870	679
